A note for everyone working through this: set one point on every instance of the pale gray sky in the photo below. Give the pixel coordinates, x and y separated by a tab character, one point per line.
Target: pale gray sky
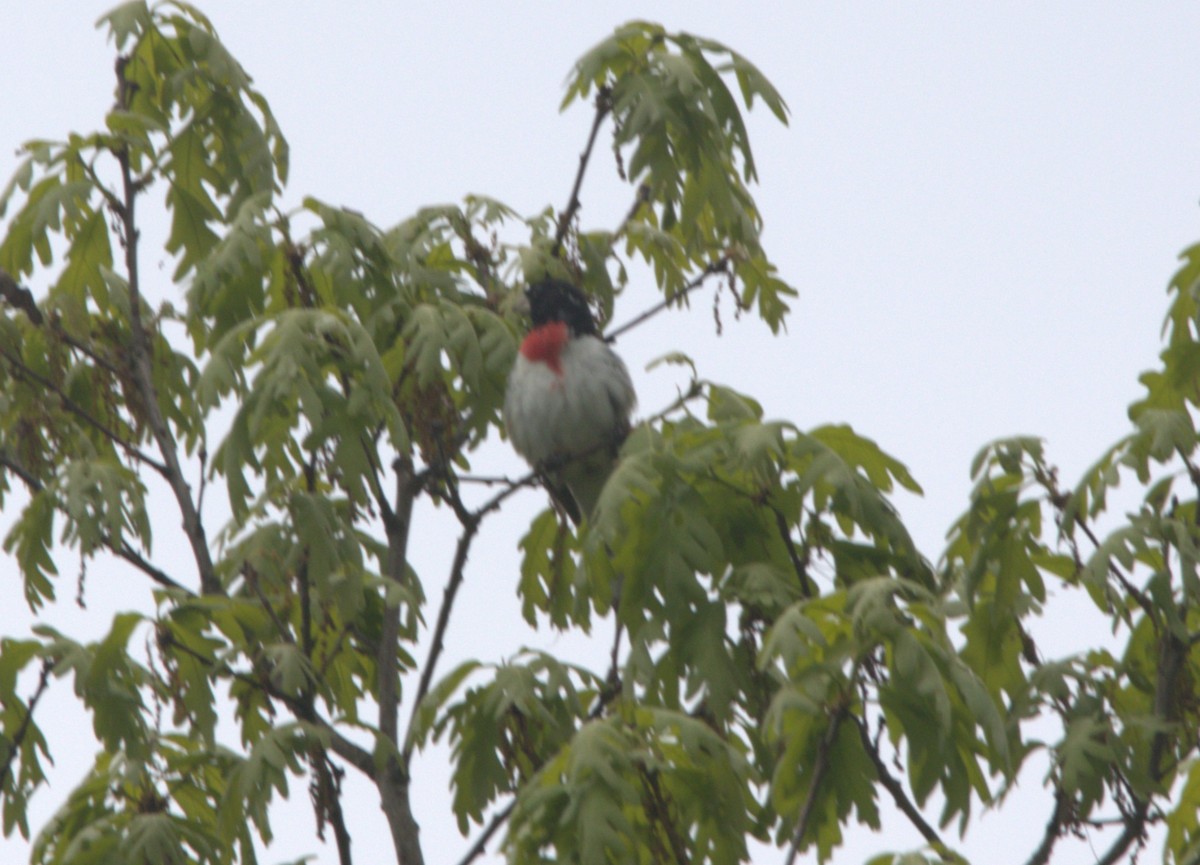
981	205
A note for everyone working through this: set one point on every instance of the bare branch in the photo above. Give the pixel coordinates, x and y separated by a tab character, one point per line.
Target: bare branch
478	848
1054	829
19	736
19	297
603	109
470	523
129	554
893	786
1135	831
392	779
721	265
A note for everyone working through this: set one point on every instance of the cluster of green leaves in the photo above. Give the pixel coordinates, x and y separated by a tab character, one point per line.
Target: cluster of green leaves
774	602
683	140
320	352
1127	712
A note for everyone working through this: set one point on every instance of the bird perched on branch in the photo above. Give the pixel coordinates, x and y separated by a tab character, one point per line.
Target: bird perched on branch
569	398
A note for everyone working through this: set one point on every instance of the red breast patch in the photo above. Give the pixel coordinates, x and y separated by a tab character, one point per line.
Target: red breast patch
545	344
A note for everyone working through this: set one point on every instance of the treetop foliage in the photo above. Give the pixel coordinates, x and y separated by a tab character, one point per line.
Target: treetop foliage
786	661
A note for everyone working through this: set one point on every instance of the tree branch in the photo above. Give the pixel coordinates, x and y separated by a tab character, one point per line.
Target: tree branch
141	357
392	780
457	572
19	297
721	265
27	477
893	786
785	534
1135	829
478	848
82	413
357	756
605	697
1054	829
661	811
27	721
129	554
603	109
820	770
470	521
327	802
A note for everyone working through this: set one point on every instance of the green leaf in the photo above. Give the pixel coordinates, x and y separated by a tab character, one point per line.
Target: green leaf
127	21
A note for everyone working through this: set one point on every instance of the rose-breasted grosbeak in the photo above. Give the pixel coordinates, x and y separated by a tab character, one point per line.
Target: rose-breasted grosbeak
569	398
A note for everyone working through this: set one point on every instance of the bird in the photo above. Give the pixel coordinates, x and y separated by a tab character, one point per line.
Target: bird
569	398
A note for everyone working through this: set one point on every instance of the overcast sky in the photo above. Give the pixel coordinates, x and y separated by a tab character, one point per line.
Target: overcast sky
980	204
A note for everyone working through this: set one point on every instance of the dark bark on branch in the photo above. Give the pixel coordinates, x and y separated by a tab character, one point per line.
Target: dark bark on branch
1054	830
136	559
26	722
327	799
122	550
457	569
785	534
480	846
393	780
893	786
721	265
27	477
1135	830
820	770
19	297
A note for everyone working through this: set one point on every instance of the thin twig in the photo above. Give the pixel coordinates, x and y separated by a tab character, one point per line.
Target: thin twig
129	554
478	848
820	769
1135	828
893	786
605	698
123	550
357	756
19	736
603	108
82	413
642	198
721	265
806	585
457	573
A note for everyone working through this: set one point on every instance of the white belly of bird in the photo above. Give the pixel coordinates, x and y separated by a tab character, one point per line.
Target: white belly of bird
552	416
